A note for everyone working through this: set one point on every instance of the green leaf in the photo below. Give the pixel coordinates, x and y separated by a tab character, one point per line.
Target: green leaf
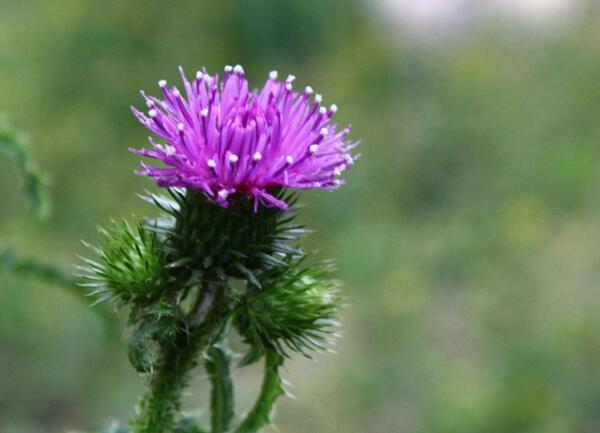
271	389
217	365
49	273
140	350
35	185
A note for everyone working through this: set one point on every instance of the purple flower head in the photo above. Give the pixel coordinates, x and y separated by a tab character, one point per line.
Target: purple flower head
223	139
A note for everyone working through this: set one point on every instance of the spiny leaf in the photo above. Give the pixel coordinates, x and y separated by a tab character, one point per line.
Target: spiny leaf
140	351
27	267
35	181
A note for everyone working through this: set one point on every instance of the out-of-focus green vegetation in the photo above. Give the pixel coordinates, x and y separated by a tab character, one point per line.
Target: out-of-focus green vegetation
469	234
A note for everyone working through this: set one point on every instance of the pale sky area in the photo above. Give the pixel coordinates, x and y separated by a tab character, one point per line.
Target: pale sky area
452	15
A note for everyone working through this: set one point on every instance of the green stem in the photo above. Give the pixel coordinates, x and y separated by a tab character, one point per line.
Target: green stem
217	365
172	369
271	389
163	400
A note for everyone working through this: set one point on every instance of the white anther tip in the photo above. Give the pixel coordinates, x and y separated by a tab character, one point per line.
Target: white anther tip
313	148
223	193
288	86
324	131
180	126
176	91
238	69
150	104
289	159
233	158
204	112
318	98
211	163
199	75
162	83
228	68
309	90
333	108
257	156
273	75
152	113
323	110
290	78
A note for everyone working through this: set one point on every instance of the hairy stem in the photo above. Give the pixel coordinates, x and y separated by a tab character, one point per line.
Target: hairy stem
271	389
171	371
163	400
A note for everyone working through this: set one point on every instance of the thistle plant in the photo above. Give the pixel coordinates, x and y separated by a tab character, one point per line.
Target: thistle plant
222	256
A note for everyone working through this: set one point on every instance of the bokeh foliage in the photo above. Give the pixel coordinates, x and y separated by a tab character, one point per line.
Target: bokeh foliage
468	234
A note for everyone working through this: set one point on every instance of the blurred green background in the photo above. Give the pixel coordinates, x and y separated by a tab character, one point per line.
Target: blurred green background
468	235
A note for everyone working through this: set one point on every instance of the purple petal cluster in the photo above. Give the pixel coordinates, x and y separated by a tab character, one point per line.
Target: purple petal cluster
223	139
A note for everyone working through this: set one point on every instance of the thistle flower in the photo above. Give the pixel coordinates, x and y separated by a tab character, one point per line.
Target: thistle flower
224	140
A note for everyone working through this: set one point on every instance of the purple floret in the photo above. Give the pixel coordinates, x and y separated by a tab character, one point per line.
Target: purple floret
222	139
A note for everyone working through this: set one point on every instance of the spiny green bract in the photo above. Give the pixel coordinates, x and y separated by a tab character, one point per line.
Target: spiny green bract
294	310
130	267
283	304
206	241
